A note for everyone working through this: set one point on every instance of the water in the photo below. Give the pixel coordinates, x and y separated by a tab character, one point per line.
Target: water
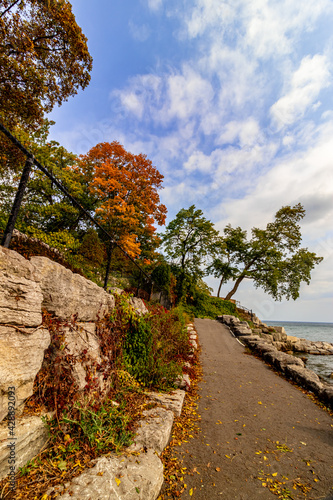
322	365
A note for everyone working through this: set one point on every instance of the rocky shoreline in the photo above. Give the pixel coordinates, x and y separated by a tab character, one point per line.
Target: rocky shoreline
280	350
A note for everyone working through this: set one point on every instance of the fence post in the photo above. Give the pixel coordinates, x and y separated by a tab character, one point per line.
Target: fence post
17	203
151	290
110	250
139	283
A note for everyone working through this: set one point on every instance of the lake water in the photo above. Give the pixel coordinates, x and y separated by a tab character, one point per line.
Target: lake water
322	365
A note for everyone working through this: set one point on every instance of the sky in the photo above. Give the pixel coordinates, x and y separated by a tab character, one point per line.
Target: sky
232	102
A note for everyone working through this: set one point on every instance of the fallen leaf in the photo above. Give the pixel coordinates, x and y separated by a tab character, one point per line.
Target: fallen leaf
191	492
117	481
274	474
218	469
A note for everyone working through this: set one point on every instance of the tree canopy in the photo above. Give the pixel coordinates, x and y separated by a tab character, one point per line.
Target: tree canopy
125	187
272	258
44	59
187	241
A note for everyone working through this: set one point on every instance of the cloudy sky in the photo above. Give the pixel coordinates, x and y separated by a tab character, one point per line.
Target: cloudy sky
232	101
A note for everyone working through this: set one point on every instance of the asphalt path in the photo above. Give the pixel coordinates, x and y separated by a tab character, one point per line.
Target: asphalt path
258	431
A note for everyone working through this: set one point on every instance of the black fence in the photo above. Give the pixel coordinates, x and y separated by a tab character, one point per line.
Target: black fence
143	276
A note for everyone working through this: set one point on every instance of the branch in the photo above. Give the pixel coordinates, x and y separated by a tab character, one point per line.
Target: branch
8	8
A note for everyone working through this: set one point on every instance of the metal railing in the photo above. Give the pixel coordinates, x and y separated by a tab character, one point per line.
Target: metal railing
8	233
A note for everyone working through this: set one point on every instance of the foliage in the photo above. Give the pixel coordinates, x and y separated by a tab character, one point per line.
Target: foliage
155	345
161	276
202	305
188	241
104	428
126	187
44	58
224	253
92	249
272	258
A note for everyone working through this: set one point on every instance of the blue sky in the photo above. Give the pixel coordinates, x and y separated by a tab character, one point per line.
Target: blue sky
232	101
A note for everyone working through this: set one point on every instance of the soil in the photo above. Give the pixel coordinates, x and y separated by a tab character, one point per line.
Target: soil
261	437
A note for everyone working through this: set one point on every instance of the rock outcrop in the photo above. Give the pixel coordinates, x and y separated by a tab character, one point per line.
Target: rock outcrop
66	293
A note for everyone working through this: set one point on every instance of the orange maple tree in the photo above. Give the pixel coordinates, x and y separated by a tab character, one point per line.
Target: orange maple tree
126	187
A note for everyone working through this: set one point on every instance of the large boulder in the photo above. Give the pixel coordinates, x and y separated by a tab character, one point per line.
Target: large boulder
30	435
20	292
66	294
154	430
280	360
304	377
118	478
21	357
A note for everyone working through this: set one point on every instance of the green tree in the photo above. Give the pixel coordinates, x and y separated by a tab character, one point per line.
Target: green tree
272	259
188	241
46	213
225	250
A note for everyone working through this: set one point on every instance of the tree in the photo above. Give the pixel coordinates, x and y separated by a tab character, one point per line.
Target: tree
46	213
126	189
224	251
272	258
44	58
188	240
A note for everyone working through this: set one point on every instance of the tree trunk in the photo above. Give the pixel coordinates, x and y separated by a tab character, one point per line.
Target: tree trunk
235	288
220	285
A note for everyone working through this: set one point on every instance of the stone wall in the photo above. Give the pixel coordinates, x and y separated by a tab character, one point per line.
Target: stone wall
26	288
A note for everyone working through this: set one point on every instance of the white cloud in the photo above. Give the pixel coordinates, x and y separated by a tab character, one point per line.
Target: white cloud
308	80
155	4
139	32
245	133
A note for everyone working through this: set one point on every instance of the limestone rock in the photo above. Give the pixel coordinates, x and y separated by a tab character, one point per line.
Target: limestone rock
326	394
306	378
279	329
138	305
280	360
279	336
20	292
21	357
138	477
154	430
173	401
183	381
66	294
193	344
78	338
31	435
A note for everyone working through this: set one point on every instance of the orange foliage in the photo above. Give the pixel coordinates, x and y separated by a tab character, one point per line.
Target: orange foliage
126	186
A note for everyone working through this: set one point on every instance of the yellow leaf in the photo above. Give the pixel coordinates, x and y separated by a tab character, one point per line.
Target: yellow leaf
316	480
274	474
227	456
117	481
259	403
264	485
191	492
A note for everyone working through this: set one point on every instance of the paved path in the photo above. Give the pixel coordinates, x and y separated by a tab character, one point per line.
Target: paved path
256	429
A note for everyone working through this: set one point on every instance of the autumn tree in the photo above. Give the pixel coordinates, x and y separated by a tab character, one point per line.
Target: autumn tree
126	189
44	59
272	258
188	240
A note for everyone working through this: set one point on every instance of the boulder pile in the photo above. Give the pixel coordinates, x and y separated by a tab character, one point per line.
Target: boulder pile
278	349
